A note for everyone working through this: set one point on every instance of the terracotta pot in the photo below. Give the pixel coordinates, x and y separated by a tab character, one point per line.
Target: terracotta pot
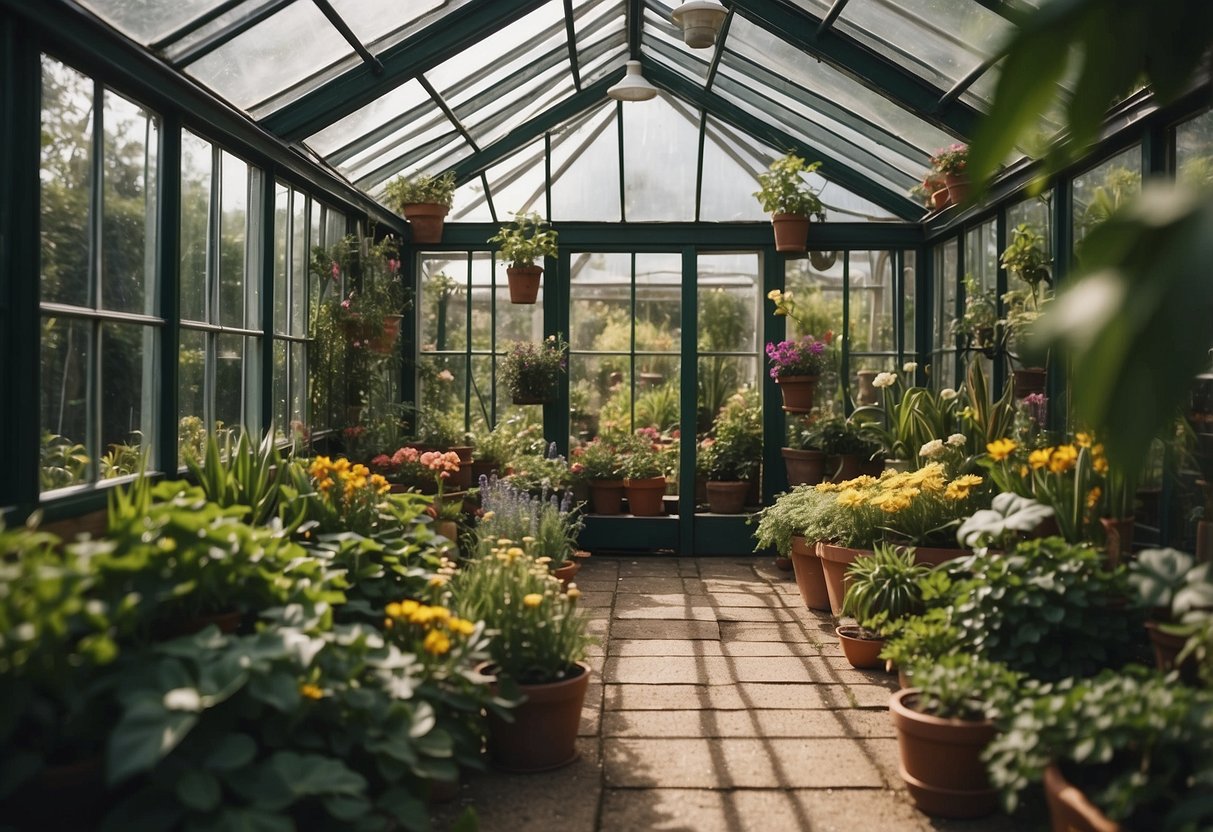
1069	809
645	496
448	529
461	480
783	564
606	496
941	760
834	562
940	199
844	466
791	232
1028	380
727	497
530	398
810	578
385	341
798	392
67	796
1204	541
1167	648
524	283
958	187
935	555
425	220
804	467
566	572
866	394
543	735
1118	536
862	653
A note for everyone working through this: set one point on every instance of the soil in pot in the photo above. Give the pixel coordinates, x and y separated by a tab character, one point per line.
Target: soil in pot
543	735
810	578
861	651
941	760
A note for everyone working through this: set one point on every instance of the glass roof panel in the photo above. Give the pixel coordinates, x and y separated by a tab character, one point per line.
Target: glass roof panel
659	27
585	168
939	40
730	174
660	159
364	125
147	21
425	123
517	98
469	204
371	20
602	58
433	157
272	56
518	183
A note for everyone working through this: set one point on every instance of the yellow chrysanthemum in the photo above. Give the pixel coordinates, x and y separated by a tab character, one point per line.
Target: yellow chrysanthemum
441	614
1100	464
1063	459
956	492
968	480
851	498
1083	439
532	600
1093	496
436	643
1039	458
438	580
461	626
393	609
310	691
1000	449
827	487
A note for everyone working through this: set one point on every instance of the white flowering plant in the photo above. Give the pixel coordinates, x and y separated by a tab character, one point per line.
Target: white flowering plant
908	419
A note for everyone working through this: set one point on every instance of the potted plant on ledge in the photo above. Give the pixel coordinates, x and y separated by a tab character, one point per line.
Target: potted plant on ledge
643	477
790	201
523	241
424	200
599	464
530	372
883	590
731	458
951	165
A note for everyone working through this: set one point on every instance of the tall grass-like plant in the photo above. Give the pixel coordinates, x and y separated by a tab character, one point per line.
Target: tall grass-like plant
884	587
907	418
539	635
241	474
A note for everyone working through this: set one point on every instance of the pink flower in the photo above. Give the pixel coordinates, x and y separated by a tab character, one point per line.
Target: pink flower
393	266
336	270
345	304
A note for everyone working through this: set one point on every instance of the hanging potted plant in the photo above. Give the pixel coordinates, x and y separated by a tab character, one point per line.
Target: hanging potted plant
376	298
523	241
884	589
537	655
951	165
790	201
1025	259
531	372
732	457
424	200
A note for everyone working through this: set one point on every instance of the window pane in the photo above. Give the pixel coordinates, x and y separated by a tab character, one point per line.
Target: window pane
728	312
146	21
601	313
232	257
282	233
298	383
720	378
128	242
818	296
66	183
981	254
518	321
299	260
1194	150
191	401
585	169
1103	189
946	286
600	394
127	364
196	178
660	153
482	299
443	303
658	393
470	203
658	315
872	318
1037	213
281	389
482	392
233	353
909	286
65	356
518	184
334	226
730	170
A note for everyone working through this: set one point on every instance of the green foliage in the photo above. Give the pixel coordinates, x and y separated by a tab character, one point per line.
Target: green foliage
985	419
440	430
979	322
541	473
802	511
63	462
782	191
1008	518
529	369
419	189
885	584
526	239
838	436
540	633
1047	609
964	686
734	452
907	417
599	459
658	407
548	522
1173	584
640	457
1139	746
921	639
243	474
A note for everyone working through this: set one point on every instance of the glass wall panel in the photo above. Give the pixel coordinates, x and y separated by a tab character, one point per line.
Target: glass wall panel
1103	189
727	332
660	142
196	166
1194	150
232	353
909	306
66	351
67	183
518	184
816	283
233	201
282	238
127	368
128	215
943	359
191	395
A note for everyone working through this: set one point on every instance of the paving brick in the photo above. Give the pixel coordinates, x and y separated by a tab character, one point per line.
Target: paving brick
665	647
755	723
771	648
665	629
737	763
744	695
595	598
647	586
745	599
763	631
713	670
759	615
652	567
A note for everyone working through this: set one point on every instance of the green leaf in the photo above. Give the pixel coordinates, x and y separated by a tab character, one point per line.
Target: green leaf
468	821
313	774
199	790
232	752
405	807
143	737
252	820
278	690
347	808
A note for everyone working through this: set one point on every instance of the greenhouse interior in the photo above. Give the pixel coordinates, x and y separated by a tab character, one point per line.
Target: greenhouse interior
606	415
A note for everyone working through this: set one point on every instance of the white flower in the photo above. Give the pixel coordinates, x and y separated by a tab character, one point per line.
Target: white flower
909	367
956	440
774	295
947	394
884	380
932	449
787	297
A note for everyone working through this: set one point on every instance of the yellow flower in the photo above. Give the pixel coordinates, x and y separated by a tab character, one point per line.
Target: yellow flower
461	626
956	491
441	614
436	643
968	480
851	498
573	593
1100	464
774	295
827	487
1000	449
488	515
532	600
514	552
310	691
1039	458
438	580
393	610
1084	440
408	609
380	483
1063	459
1093	496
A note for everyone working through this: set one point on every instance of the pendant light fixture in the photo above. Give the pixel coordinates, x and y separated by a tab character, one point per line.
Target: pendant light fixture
700	21
633	86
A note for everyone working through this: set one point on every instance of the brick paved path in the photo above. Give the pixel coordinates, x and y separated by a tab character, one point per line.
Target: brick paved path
719	704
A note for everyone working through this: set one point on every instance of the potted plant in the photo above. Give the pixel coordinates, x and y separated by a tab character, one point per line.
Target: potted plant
1178	594
493	450
884	588
643	476
424	200
793	525
790	201
1025	259
732	456
846	450
439	431
943	725
538	654
932	192
796	366
1124	750
375	295
523	241
978	326
804	461
951	164
531	372
599	463
549	522
907	418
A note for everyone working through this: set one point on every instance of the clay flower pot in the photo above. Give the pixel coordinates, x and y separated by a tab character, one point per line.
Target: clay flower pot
1028	380
386	340
941	760
862	653
798	392
426	220
834	562
524	283
804	467
1118	536
645	496
783	564
957	186
727	497
606	496
1069	809
543	735
462	480
810	579
566	571
791	232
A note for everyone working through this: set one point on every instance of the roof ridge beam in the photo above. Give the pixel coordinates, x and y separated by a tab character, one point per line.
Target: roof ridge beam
427	48
877	73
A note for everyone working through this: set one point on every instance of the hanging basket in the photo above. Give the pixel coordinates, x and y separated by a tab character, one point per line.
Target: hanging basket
385	341
426	220
791	232
798	393
524	283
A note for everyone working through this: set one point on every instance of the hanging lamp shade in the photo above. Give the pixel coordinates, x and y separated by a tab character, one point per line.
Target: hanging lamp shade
633	86
700	21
